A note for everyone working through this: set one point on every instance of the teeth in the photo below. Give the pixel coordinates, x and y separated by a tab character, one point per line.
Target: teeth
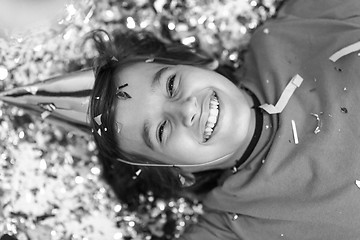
212	119
214	111
214	102
208	129
213	115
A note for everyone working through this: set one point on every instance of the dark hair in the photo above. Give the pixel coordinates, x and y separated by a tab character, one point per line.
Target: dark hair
128	48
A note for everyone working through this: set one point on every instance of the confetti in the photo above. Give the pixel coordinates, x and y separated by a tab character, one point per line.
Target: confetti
97	119
4	73
294	83
345	51
357	182
293	125
344	110
45	114
317	129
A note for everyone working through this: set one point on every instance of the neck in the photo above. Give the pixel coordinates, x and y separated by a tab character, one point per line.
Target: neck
253	134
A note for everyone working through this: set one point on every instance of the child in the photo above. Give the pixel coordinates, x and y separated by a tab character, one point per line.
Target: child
281	147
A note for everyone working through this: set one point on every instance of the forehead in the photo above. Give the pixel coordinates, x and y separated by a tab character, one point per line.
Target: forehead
135	72
133	112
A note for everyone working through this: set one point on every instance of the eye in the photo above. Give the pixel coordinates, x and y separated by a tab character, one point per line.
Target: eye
161	131
170	85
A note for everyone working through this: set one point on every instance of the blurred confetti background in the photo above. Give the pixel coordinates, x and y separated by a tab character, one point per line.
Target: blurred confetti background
50	180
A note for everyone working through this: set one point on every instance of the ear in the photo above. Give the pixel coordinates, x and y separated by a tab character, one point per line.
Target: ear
187	179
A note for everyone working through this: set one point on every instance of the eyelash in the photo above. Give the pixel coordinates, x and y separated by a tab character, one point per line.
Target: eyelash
161	131
170	84
170	89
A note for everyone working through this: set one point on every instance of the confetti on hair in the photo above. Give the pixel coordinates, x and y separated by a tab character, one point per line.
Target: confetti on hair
182	179
98	119
149	60
114	59
99	131
47	106
137	173
235	217
345	51
45	114
33	90
294	83
317	129
357	182
293	125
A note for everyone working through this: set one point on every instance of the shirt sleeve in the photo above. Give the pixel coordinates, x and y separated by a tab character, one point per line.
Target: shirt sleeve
211	226
326	9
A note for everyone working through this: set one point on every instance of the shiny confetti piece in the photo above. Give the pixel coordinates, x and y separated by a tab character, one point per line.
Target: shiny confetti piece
98	119
47	106
4	73
99	132
317	129
357	182
266	31
122	95
294	83
149	60
137	173
182	179
345	51
33	90
45	114
293	125
235	217
114	59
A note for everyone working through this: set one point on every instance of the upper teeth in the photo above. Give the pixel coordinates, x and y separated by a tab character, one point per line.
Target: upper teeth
213	116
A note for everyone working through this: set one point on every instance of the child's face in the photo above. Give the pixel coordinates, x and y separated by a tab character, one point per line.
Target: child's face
169	110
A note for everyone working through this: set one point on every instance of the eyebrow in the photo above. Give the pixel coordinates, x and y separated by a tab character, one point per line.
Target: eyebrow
156	78
146	128
146	135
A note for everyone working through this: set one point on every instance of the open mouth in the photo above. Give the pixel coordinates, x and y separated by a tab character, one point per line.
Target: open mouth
214	110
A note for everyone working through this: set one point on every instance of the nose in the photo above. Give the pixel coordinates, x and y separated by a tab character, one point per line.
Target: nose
185	111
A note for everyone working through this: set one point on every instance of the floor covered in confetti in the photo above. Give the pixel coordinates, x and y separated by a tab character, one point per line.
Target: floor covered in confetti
50	180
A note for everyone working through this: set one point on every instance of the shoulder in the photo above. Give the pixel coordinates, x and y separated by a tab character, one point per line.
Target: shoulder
327	9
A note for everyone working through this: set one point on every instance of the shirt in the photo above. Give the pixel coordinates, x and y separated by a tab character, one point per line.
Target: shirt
306	190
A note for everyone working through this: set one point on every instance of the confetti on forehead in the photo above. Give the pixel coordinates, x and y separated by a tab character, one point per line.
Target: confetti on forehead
122	94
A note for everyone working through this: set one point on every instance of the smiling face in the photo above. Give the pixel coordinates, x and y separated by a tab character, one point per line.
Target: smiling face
179	114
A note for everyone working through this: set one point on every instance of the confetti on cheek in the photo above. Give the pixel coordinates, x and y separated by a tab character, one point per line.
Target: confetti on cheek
293	125
118	127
